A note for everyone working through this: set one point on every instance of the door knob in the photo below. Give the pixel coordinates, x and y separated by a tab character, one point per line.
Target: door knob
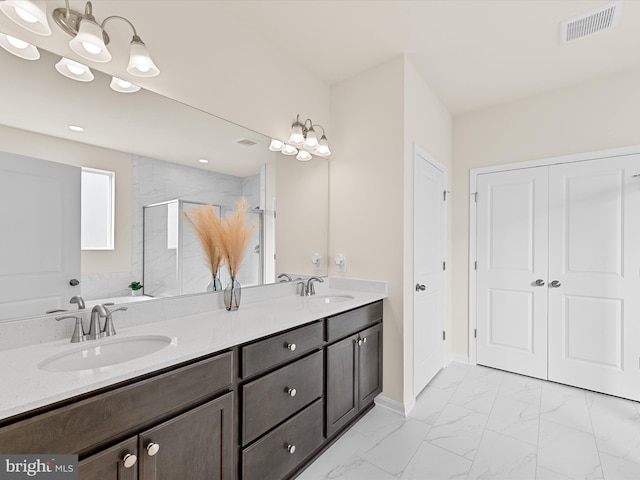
555	284
539	283
291	346
420	287
291	392
291	449
152	449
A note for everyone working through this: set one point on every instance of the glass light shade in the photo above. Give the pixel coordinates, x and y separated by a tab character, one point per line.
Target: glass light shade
140	62
123	86
30	15
289	150
323	147
74	70
296	137
89	43
276	145
304	156
311	141
18	47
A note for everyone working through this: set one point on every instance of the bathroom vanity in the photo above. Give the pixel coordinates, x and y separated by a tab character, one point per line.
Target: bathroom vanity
277	383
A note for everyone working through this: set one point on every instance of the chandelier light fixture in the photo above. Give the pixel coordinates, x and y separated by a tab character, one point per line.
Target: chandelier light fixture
89	40
303	141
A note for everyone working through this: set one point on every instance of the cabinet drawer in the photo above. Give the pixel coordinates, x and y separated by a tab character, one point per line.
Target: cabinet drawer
350	322
272	458
92	422
268	353
267	401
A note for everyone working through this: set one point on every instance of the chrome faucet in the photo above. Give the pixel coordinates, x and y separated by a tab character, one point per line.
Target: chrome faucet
101	311
95	332
109	329
284	277
78	299
78	331
311	290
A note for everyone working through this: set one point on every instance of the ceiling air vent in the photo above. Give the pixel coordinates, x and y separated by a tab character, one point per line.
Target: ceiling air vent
591	22
247	142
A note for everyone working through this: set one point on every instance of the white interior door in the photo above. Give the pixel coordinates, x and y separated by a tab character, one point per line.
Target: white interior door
40	240
594	313
512	214
430	227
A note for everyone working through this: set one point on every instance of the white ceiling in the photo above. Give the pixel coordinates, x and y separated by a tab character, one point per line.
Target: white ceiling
473	53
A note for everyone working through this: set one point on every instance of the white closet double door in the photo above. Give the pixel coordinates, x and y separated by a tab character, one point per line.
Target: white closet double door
558	273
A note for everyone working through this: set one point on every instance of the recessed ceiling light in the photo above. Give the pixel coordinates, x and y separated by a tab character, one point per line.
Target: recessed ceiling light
203	160
76	128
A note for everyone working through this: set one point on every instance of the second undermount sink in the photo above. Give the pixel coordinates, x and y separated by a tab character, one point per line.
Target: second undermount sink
331	298
103	353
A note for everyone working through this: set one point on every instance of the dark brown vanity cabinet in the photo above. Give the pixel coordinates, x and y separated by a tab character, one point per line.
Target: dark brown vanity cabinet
281	403
353	365
194	445
175	425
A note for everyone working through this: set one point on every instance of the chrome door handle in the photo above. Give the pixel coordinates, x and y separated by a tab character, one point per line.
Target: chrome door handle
539	283
555	284
420	287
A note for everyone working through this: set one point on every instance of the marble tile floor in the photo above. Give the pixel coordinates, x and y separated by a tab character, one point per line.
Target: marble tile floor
473	422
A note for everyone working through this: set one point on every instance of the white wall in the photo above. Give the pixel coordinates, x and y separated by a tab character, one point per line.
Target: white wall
376	117
365	195
217	65
428	124
592	116
301	193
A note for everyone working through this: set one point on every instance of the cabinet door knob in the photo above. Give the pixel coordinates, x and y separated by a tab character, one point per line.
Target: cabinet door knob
364	340
129	460
539	283
555	284
291	392
152	449
359	342
291	346
420	287
291	449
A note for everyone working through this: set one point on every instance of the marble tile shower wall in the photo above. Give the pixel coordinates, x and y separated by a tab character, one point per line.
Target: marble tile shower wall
156	181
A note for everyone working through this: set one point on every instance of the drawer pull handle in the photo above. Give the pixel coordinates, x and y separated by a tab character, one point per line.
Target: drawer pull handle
291	346
129	460
291	392
152	449
291	449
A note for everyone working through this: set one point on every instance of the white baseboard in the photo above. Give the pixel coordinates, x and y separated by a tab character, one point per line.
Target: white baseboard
459	358
396	407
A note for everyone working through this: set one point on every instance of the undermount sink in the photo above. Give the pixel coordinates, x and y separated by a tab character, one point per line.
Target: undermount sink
331	298
102	353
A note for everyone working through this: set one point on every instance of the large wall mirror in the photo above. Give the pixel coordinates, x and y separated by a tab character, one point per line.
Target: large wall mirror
146	151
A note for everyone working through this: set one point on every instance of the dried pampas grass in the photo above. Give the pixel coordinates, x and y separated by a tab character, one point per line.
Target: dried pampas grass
225	238
234	236
207	224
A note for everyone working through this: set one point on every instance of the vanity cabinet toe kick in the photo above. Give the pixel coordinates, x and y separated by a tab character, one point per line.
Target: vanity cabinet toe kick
262	410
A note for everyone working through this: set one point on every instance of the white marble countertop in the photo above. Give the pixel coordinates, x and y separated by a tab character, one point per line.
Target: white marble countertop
25	386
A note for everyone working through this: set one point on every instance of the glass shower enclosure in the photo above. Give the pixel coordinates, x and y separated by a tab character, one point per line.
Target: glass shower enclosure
173	260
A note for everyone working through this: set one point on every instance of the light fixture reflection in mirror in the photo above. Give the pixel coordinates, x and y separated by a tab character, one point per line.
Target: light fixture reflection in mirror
18	47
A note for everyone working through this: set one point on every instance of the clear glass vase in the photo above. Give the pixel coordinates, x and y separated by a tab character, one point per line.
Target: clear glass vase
215	285
232	293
